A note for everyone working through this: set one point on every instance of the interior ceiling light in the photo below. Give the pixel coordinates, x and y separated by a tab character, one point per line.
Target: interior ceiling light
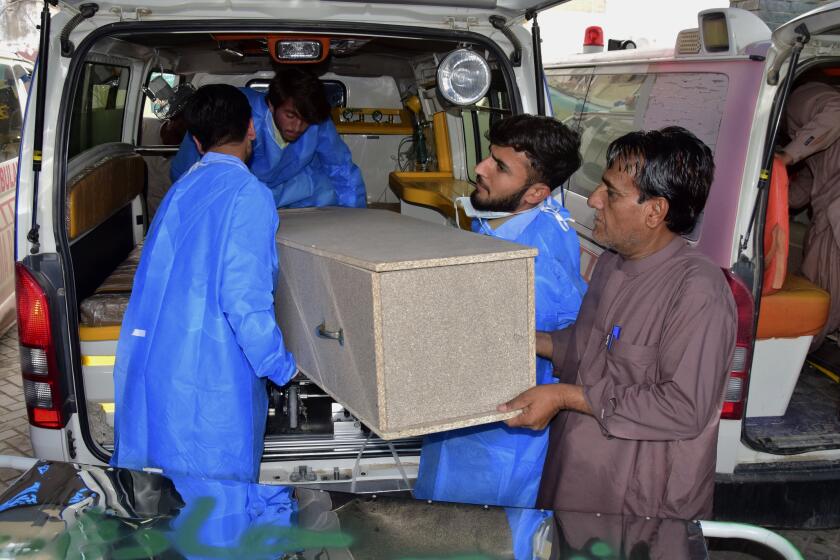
300	50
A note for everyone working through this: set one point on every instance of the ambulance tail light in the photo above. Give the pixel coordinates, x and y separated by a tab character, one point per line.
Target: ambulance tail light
41	380
737	384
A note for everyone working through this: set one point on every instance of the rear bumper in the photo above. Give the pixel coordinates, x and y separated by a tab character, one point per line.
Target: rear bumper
790	494
17	463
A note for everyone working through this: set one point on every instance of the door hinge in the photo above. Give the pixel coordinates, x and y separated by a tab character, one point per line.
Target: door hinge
461	23
137	14
822	48
71	444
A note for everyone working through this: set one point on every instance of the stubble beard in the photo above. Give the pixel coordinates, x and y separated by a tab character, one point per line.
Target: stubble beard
504	204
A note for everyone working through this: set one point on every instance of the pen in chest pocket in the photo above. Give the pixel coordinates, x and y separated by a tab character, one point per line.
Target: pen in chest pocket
613	336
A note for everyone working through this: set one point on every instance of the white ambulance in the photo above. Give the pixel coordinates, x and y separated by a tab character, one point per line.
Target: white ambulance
728	81
15	73
92	154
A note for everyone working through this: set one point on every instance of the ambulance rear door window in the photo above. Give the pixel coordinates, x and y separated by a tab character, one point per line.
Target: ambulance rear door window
620	103
99	107
567	95
11	114
611	110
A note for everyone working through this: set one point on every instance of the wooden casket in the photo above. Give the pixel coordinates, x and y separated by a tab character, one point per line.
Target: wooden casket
413	327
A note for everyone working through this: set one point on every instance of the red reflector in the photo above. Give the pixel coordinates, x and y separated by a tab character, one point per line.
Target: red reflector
732	410
45	418
33	313
593	36
736	394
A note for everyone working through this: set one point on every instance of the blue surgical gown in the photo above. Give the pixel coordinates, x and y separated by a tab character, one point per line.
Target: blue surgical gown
199	336
317	169
494	464
224	519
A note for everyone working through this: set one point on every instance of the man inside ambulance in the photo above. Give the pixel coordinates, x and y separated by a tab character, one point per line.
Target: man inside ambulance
298	153
813	124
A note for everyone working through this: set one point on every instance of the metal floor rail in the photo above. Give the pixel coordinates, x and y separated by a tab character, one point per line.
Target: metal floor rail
302	446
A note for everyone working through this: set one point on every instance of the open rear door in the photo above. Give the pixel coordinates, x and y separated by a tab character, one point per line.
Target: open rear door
528	10
812	34
823	25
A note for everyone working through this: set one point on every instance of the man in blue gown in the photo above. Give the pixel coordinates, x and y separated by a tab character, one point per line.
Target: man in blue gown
199	336
529	156
297	151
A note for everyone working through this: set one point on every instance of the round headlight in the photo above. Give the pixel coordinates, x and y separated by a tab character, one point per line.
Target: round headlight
463	77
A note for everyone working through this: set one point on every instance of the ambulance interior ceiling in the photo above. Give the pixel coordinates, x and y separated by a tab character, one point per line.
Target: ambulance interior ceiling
820	70
189	53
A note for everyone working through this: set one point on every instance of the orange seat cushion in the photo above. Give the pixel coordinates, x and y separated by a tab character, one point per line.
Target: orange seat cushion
800	308
776	230
102	190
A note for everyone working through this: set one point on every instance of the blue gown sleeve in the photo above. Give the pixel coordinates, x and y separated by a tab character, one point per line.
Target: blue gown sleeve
185	158
558	285
301	190
560	290
247	287
337	162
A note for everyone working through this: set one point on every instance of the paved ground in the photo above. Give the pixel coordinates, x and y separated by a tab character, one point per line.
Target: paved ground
14	440
14	426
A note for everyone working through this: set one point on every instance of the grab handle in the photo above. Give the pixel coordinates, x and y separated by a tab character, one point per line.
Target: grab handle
338	335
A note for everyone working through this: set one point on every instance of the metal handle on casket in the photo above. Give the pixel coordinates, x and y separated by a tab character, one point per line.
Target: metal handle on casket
338	335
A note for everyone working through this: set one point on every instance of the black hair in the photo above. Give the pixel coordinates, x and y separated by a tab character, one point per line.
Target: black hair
671	163
217	114
304	88
553	149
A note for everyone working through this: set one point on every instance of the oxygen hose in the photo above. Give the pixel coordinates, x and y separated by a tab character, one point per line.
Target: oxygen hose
421	153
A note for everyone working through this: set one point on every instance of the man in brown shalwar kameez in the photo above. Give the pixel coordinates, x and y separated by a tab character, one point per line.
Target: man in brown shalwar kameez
642	372
813	123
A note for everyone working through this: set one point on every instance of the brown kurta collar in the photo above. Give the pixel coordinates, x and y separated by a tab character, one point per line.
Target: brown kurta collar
634	267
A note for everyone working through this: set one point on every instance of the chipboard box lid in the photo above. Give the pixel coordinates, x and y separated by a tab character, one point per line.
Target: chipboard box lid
384	241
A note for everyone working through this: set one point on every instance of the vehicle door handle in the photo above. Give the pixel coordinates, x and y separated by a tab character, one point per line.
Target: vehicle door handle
338	335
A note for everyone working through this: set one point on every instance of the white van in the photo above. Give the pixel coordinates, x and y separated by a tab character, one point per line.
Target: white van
727	81
15	73
82	216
